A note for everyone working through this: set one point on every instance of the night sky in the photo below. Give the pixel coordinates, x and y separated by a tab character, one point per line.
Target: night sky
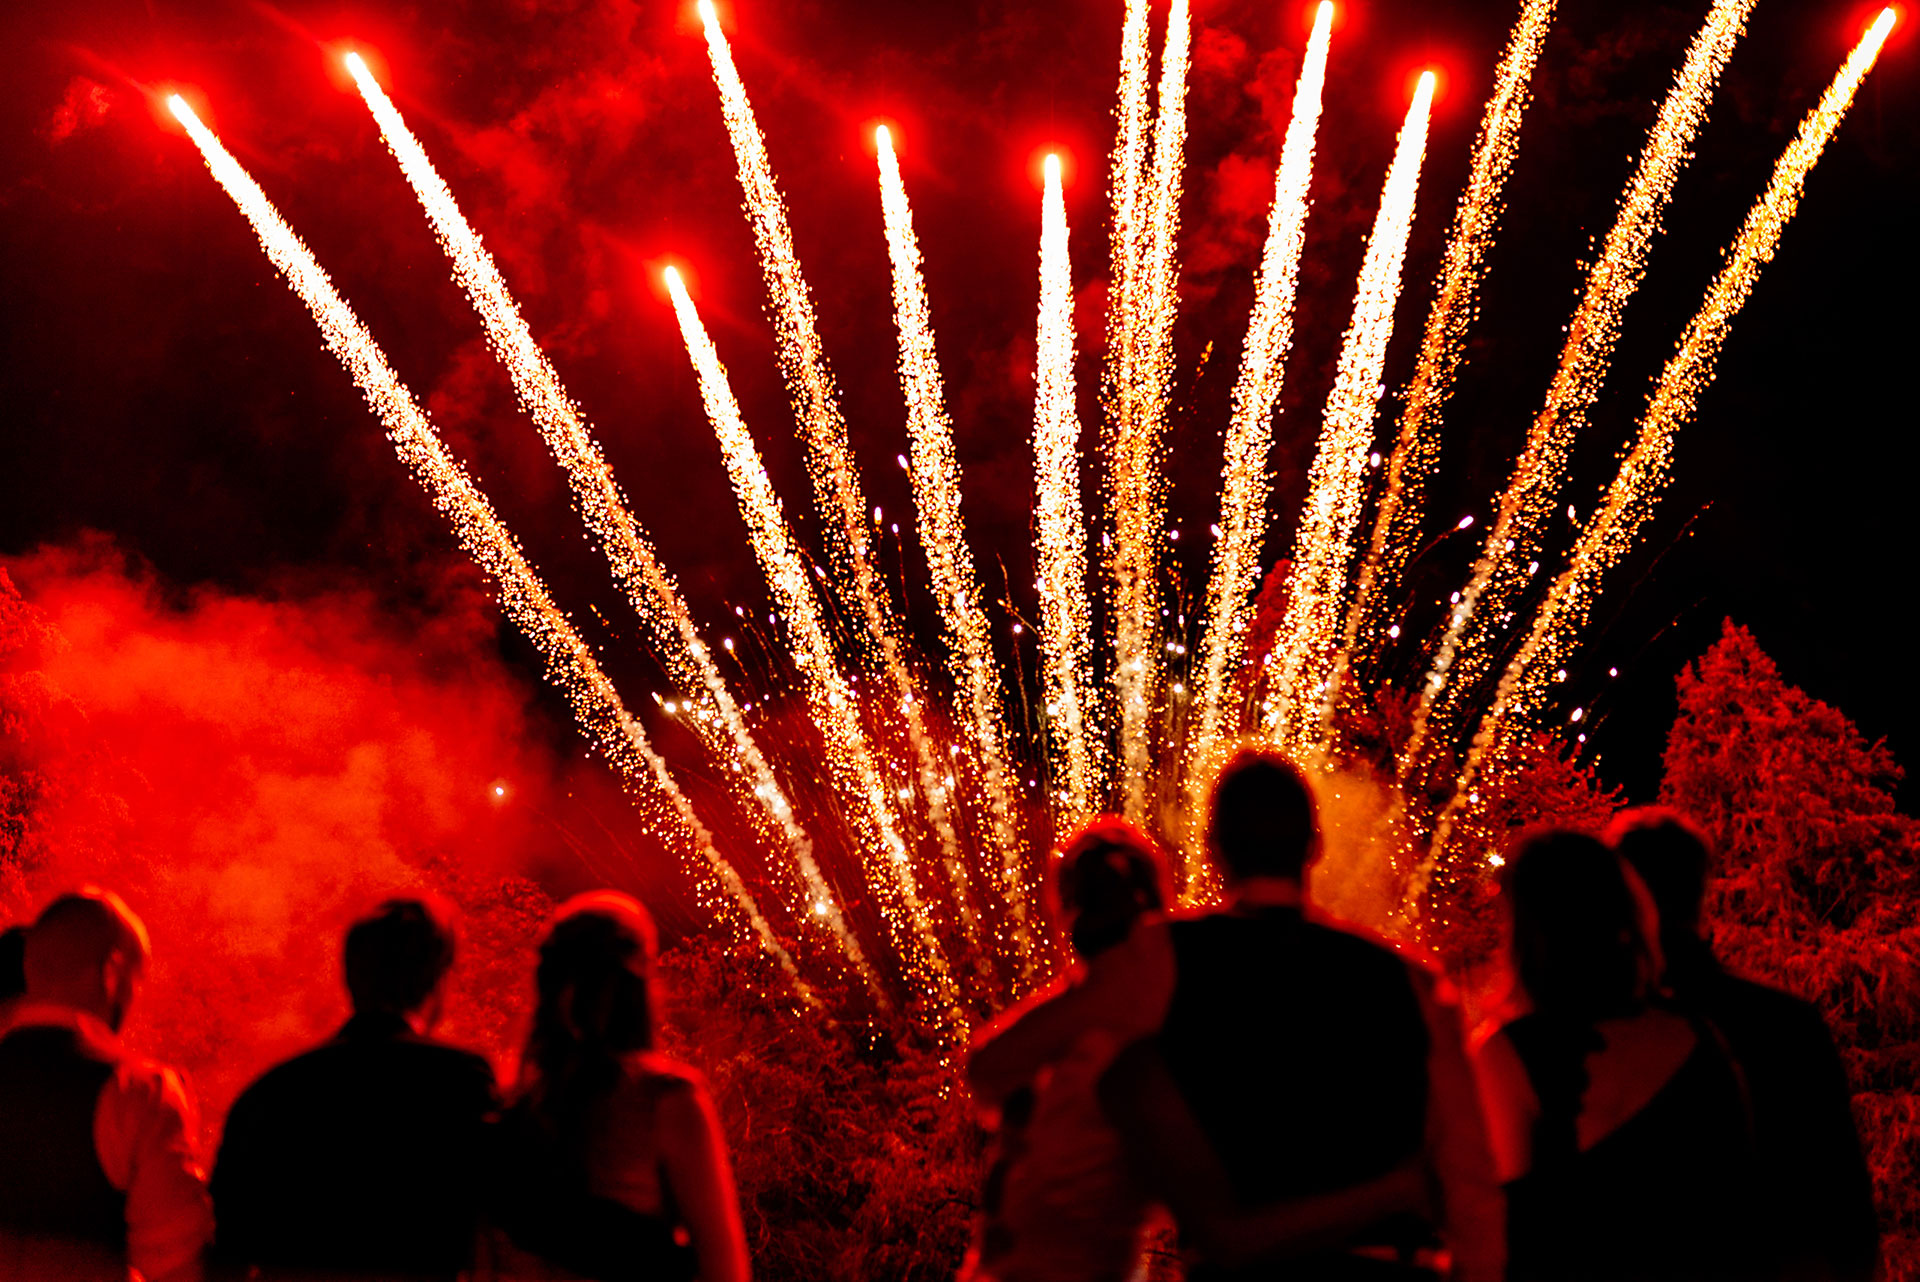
162	386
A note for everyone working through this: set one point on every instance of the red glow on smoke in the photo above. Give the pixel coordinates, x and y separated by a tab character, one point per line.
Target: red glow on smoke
1310	14
1037	166
337	53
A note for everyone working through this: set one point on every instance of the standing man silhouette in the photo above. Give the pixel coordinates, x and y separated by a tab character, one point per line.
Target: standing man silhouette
97	1167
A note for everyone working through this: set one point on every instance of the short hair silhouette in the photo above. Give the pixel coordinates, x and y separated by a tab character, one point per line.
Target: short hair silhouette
1108	874
13	963
1578	947
77	932
1671	854
397	955
1261	822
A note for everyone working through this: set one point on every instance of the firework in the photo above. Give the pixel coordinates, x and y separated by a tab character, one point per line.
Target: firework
816	407
935	475
1060	539
1303	653
832	703
1139	375
1530	677
1244	479
1342	583
569	663
650	588
1513	539
1396	526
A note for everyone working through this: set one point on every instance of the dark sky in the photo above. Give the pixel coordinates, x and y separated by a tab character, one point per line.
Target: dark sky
162	385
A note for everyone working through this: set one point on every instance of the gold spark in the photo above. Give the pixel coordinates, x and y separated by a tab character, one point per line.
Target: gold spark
1396	526
596	494
935	476
1244	479
1323	543
1060	540
568	661
1513	539
1139	378
816	407
1529	679
835	709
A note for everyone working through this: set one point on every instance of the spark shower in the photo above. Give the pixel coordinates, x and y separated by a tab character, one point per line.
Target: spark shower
887	851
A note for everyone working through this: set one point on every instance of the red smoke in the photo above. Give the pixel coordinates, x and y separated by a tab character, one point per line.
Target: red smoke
253	773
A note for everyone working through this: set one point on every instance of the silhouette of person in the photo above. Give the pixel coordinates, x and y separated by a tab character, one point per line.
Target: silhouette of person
97	1168
1060	1202
13	969
610	1149
363	1156
1304	1082
1620	1126
1817	1208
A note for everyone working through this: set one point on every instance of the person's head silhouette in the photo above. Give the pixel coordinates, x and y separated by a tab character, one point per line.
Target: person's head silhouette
595	984
13	964
397	959
1261	822
1108	874
1672	855
87	951
1581	926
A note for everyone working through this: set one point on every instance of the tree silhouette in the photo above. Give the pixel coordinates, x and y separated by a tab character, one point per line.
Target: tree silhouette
1818	887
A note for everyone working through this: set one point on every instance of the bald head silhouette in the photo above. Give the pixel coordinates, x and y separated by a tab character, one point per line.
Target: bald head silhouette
86	951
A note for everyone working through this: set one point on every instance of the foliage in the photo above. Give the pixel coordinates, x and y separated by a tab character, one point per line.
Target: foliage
1817	887
856	1150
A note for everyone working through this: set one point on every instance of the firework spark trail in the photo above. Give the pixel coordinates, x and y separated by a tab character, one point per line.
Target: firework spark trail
1133	117
935	475
1139	389
1513	542
1244	480
1060	542
1529	679
816	406
648	585
835	710
568	661
1396	527
1336	483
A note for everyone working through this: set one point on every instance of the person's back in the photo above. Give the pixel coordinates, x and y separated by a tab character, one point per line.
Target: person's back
1621	1126
609	1150
363	1156
1300	1048
1301	1076
97	1170
1817	1214
1061	1204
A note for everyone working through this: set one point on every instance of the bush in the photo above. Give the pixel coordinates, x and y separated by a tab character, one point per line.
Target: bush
1816	889
856	1150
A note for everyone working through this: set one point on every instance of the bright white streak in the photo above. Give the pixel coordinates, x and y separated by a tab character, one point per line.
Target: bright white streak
816	407
1528	681
1139	382
1323	544
835	709
1245	483
1513	539
568	661
1396	527
935	476
1060	542
648	585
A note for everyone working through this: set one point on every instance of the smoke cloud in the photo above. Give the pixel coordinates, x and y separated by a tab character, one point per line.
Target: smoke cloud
254	772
